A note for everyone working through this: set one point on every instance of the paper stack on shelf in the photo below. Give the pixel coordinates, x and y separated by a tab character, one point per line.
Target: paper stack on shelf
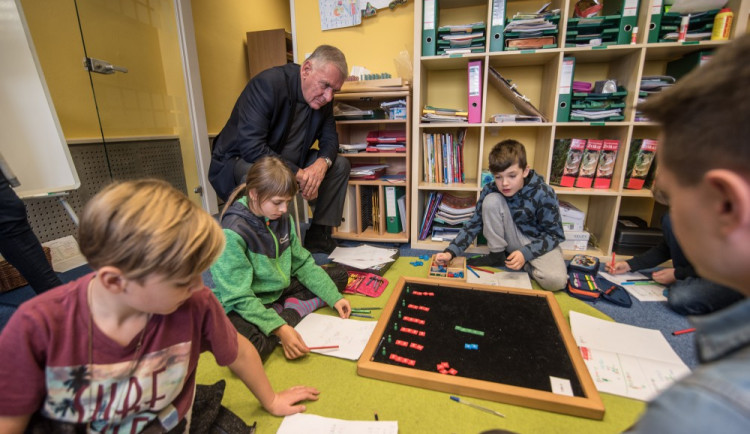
525	31
452	213
440	114
462	38
651	84
386	141
367	171
572	217
593	31
700	25
352	148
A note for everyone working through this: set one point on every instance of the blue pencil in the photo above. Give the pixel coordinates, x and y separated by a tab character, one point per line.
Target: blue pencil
359	315
472	270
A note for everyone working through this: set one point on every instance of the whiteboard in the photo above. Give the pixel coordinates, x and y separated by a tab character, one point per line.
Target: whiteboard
31	140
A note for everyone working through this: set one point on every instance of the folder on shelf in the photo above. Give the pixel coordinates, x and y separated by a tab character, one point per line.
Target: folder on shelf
655	26
565	91
429	27
392	212
628	11
497	26
349	217
512	94
475	91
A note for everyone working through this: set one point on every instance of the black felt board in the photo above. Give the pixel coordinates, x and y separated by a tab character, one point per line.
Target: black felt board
522	345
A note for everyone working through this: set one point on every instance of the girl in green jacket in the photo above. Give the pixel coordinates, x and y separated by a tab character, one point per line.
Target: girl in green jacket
266	281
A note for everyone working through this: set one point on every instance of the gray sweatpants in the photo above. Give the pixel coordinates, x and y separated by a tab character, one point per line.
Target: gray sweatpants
503	235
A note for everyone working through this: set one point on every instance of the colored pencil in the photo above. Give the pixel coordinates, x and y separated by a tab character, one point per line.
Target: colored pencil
324	347
366	308
472	271
682	332
640	282
481	269
359	315
477	406
612	264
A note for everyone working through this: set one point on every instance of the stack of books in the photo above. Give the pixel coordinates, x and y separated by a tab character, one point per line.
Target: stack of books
532	30
443	157
594	31
598	106
445	215
461	39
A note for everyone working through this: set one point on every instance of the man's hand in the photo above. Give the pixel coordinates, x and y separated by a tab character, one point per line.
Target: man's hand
291	341
309	178
665	276
284	402
515	260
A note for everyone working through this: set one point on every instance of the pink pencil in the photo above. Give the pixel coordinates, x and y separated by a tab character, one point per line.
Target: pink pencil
328	347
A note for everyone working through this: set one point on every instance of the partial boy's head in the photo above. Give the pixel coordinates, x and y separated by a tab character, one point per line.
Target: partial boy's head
704	163
147	227
507	153
508	166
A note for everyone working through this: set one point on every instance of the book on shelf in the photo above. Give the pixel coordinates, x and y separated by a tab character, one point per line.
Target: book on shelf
572	162
606	166
589	161
640	159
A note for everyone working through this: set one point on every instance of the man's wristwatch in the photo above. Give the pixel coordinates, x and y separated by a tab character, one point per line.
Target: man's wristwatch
328	161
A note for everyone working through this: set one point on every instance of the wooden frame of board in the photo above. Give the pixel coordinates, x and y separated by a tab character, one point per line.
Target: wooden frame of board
590	405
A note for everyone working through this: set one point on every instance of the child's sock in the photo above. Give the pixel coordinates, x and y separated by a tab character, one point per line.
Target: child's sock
277	307
303	307
494	259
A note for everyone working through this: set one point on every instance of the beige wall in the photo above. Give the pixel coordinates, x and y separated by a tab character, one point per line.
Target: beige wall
220	28
373	44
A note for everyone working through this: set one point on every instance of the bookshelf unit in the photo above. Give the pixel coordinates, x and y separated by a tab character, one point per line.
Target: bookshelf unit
360	191
441	81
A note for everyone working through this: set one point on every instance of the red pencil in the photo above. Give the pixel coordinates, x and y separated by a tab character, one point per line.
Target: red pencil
325	347
612	265
679	332
481	269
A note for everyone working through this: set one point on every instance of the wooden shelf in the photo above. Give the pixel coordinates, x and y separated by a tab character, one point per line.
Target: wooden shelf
441	81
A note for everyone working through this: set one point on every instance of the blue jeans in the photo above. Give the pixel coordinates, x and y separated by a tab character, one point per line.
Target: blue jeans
697	296
18	244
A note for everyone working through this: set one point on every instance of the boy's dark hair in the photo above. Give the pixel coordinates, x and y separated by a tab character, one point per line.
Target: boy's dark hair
706	116
507	153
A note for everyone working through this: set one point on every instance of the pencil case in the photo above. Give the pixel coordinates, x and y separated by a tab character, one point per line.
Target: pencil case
584	263
368	284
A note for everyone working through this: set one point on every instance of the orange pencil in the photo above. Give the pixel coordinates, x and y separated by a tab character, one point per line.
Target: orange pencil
326	347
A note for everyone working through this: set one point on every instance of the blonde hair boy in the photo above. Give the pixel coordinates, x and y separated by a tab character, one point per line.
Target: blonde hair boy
117	349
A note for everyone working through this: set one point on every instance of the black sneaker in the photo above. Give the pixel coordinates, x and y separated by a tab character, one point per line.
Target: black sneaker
319	242
494	259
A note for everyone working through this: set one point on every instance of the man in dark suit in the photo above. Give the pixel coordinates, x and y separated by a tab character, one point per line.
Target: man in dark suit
283	111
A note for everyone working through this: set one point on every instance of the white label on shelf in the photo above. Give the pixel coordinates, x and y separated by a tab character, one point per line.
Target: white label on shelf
474	86
498	12
566	79
429	15
630	8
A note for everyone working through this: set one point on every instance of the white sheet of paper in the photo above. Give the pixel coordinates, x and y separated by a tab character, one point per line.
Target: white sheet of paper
654	292
625	360
362	257
323	330
310	423
512	279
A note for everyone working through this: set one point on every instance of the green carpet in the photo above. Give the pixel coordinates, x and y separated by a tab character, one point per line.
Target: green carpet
345	395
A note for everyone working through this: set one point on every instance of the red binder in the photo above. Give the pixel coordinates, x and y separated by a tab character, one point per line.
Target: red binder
475	91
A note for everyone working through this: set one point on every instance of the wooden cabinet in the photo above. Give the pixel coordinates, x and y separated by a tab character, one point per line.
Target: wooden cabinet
267	48
366	208
441	81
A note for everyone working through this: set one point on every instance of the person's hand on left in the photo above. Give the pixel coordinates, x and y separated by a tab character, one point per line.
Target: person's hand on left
313	176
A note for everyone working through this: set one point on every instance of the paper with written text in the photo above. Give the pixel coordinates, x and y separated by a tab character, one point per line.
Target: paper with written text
511	279
323	330
625	360
310	423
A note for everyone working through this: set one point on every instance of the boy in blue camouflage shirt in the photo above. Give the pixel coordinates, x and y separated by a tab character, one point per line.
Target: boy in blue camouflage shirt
520	217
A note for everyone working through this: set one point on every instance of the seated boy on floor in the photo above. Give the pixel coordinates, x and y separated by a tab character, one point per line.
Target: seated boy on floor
520	217
117	349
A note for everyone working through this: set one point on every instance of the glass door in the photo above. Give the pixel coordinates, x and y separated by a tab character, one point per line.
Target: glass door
133	57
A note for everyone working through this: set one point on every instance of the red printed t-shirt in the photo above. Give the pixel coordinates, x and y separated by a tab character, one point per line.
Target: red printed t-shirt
45	362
